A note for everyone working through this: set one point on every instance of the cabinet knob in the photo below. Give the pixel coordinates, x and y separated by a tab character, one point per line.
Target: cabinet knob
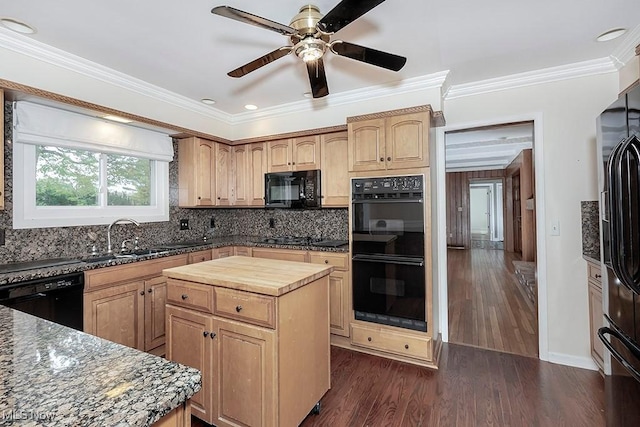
369	339
141	292
293	163
218	198
150	290
388	159
598	276
185	296
238	308
288	163
199	198
406	346
205	333
326	261
212	335
382	159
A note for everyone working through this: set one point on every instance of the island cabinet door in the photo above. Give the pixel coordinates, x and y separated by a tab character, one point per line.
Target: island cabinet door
245	372
189	341
154	312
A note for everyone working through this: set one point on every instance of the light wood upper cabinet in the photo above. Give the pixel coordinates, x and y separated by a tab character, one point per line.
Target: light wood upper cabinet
240	189
224	175
335	170
389	143
2	149
295	154
196	174
257	169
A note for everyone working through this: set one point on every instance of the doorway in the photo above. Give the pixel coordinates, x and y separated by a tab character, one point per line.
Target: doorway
489	186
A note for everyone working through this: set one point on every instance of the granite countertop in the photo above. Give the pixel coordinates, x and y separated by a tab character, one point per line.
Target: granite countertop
51	375
257	275
216	242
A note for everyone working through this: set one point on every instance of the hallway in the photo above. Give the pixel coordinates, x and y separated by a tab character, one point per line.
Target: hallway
486	308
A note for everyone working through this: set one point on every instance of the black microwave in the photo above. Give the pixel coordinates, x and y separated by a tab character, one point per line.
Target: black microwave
297	190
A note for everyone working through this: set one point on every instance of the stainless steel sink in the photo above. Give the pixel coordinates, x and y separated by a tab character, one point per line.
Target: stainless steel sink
138	253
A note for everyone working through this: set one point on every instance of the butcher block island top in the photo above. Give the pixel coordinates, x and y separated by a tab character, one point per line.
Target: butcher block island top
256	275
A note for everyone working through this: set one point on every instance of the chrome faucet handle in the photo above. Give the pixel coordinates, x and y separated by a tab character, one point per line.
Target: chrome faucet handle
123	246
94	249
135	243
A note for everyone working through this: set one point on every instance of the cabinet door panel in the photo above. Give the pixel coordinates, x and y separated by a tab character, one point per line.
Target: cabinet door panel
205	173
223	170
306	153
406	142
596	321
366	145
335	170
279	155
338	303
240	183
154	312
245	368
187	344
117	314
196	172
257	169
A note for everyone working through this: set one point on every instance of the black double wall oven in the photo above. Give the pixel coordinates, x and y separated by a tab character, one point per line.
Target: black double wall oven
388	264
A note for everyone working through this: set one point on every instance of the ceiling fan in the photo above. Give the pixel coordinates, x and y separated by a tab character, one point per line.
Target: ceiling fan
310	34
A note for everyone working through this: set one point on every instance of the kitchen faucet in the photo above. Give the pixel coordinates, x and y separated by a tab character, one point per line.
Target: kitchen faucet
117	221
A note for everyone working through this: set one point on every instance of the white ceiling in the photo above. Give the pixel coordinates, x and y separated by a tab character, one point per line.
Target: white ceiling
183	48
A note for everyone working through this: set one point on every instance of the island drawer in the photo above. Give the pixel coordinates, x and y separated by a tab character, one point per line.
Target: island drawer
245	306
391	341
339	261
190	295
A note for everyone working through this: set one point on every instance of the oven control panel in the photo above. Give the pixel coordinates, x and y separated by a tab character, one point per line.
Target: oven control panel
389	184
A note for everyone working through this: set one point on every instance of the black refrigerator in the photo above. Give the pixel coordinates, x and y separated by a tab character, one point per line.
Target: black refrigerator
619	142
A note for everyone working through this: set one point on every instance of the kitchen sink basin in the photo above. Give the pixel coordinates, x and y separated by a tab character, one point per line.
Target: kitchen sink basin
138	253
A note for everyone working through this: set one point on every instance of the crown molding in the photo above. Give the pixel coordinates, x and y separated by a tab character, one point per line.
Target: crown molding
57	57
529	78
628	48
416	84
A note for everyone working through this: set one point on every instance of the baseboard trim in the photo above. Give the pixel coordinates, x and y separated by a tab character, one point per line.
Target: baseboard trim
573	361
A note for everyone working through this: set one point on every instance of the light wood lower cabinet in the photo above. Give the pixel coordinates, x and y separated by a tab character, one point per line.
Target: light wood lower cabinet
179	417
281	254
241	251
252	375
223	252
339	290
200	256
126	304
596	313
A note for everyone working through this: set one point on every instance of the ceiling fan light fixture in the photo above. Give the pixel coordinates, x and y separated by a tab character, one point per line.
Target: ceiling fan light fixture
310	49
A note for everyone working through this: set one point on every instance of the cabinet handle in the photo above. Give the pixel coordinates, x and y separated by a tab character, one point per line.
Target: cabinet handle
212	335
141	292
388	159
382	159
185	296
369	339
150	290
406	346
238	308
597	276
205	333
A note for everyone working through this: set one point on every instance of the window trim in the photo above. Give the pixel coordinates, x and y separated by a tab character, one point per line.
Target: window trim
27	215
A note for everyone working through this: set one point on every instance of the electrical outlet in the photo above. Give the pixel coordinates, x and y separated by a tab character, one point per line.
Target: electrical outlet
212	224
272	223
184	224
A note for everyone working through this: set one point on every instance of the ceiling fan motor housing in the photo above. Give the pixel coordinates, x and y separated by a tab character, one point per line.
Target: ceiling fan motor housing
305	21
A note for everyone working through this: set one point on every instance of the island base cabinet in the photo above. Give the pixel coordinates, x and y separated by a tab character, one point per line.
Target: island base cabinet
189	343
245	370
179	417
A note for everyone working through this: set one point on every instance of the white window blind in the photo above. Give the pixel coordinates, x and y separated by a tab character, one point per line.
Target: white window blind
42	125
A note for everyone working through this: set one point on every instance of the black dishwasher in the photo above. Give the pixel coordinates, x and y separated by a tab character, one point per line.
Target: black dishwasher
57	298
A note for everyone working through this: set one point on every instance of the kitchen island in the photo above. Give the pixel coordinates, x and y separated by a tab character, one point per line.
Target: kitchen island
52	375
258	330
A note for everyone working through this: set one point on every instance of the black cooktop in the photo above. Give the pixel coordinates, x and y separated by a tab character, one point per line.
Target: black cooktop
13	267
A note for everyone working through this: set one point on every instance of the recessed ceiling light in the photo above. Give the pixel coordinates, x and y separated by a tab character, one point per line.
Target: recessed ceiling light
250	107
208	101
17	26
611	34
117	119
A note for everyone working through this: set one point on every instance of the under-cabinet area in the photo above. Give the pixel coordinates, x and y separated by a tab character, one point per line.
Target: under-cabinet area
258	330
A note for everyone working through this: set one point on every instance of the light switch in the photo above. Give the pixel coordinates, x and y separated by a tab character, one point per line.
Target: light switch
555	228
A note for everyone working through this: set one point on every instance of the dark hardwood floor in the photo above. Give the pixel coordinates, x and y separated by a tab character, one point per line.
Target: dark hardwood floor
486	307
473	387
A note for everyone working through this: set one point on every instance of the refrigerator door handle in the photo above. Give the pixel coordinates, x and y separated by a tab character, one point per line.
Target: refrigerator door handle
631	346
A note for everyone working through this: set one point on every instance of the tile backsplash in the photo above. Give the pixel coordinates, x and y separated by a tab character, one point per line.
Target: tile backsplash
37	243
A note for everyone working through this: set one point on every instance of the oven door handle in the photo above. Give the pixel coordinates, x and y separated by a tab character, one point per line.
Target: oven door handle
374	201
631	346
416	262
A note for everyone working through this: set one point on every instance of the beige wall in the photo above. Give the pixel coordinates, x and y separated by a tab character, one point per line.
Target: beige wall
568	111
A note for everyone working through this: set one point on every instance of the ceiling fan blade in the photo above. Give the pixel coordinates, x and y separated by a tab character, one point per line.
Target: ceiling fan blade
345	13
248	18
368	55
317	78
260	62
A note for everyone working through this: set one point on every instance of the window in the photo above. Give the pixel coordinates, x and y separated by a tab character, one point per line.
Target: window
69	181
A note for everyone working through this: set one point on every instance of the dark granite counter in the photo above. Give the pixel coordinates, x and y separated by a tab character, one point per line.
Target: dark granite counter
590	215
217	242
51	375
